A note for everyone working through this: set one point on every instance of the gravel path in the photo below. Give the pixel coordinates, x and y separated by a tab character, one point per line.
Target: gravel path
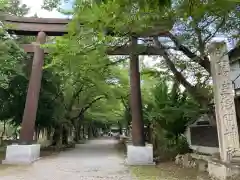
96	160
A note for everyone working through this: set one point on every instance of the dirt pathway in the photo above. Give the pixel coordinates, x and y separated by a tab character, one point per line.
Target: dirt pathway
96	160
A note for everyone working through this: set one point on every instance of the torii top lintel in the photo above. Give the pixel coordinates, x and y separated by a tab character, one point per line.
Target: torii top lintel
31	26
58	27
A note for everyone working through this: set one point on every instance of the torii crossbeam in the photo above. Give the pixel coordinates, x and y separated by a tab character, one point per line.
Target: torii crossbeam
57	27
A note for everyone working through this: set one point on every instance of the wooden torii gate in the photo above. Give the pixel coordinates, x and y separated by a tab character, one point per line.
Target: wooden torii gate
43	27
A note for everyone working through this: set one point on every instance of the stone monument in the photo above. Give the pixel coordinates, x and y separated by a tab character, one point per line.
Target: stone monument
224	168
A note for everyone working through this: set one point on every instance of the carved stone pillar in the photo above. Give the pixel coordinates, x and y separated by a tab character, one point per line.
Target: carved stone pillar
228	137
224	102
31	105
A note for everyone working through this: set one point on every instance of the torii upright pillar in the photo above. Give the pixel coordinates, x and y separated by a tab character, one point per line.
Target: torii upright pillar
31	105
138	138
26	151
137	153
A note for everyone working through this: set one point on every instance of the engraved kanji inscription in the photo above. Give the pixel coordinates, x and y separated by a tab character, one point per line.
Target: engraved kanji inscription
224	99
223	69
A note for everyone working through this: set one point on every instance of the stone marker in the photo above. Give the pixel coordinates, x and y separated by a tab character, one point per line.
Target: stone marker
225	112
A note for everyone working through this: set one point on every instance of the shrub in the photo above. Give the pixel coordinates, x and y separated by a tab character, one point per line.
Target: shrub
166	148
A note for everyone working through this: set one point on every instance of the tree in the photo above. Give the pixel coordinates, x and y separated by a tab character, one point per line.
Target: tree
194	30
90	78
172	108
14	7
73	93
195	24
167	114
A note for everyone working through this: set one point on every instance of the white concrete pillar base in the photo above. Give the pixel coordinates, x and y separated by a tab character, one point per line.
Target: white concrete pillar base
140	155
221	171
22	154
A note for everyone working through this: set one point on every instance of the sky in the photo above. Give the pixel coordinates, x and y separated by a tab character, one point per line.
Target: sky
35	8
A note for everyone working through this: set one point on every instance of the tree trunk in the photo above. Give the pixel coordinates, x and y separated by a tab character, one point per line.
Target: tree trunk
76	130
49	133
3	133
202	61
83	131
65	134
94	131
57	137
79	131
120	127
90	131
15	133
202	98
76	135
149	133
38	133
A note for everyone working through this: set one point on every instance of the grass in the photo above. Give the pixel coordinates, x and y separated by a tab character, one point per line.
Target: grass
166	171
